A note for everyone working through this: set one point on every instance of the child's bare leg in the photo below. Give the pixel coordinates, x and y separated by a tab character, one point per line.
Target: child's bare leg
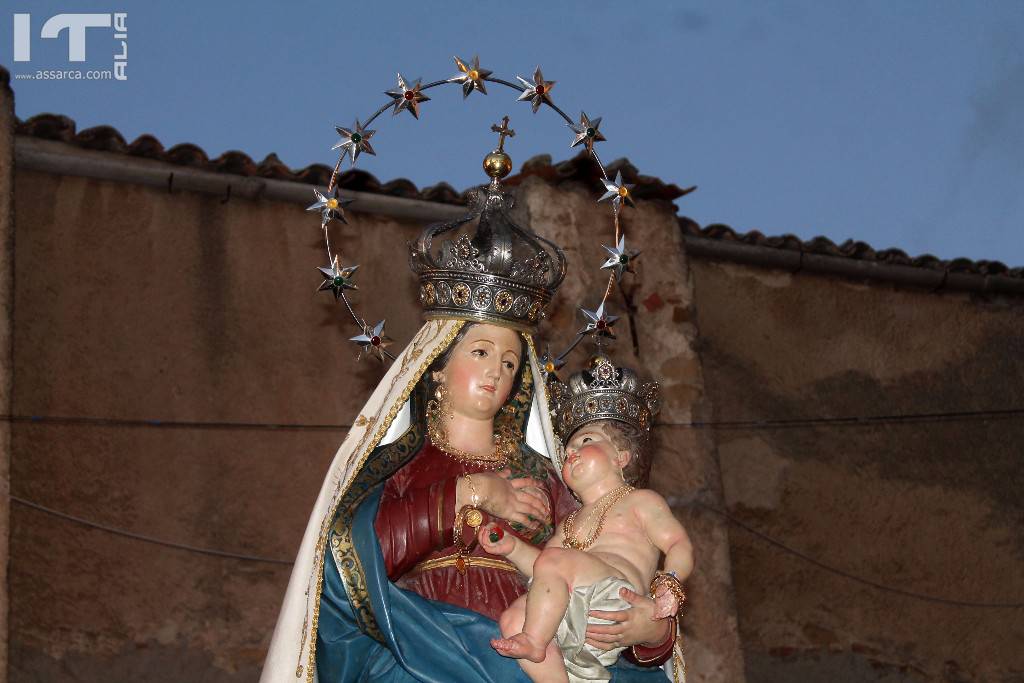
555	572
545	606
552	669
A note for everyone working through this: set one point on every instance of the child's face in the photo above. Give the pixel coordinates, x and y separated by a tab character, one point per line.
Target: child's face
591	456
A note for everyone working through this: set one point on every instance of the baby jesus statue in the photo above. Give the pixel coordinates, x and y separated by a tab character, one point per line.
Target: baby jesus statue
612	542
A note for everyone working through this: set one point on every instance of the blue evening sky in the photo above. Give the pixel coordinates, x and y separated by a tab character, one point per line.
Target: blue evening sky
897	123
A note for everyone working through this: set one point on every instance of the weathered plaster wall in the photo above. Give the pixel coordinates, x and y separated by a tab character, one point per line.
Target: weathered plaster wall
6	327
684	468
930	507
137	304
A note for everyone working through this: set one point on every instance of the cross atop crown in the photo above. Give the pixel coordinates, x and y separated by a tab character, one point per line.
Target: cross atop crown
503	131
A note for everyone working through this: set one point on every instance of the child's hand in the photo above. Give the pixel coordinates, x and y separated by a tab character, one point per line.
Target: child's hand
666	604
504	544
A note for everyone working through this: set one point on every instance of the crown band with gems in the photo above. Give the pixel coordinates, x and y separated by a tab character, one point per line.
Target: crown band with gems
504	274
603	392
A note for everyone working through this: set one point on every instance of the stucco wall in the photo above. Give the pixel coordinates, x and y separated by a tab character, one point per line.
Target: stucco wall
928	507
6	326
684	469
138	304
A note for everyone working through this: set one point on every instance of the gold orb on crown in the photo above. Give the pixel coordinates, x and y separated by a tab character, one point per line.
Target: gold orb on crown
497	164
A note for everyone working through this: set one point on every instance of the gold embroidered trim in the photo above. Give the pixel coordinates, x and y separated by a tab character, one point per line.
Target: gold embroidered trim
471	561
318	555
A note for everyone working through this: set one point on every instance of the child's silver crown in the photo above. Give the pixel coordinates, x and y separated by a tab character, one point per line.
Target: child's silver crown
603	391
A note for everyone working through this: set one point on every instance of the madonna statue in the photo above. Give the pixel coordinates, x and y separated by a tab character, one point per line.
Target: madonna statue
389	584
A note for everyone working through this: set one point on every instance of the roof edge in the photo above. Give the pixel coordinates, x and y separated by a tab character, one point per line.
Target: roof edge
851	259
443	200
60	158
581	168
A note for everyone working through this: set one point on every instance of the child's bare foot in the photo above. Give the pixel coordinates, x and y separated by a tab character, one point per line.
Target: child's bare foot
519	646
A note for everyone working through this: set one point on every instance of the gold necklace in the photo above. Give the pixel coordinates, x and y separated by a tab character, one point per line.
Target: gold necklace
505	439
601	508
505	444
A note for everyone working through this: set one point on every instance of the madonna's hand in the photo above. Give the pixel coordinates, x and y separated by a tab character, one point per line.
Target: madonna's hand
509	499
633	626
542	496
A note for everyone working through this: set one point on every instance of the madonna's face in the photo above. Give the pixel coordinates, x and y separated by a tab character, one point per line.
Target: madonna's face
481	370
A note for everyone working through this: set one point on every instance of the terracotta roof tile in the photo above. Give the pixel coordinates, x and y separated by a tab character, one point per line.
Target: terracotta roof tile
580	169
102	138
187	154
108	139
849	249
146	146
583	168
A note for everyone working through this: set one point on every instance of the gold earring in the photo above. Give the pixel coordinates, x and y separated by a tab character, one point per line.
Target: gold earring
437	410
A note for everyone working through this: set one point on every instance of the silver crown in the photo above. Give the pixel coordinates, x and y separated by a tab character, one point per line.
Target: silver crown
603	392
501	273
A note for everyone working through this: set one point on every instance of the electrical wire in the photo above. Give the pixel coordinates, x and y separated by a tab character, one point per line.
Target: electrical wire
852	577
732	520
788	423
144	538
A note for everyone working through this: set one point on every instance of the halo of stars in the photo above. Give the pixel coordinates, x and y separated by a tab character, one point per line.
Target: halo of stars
331	206
620	259
406	96
354	140
537	91
471	76
372	341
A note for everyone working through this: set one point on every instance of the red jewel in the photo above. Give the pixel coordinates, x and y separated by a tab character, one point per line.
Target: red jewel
409	94
460	564
375	340
540	89
601	324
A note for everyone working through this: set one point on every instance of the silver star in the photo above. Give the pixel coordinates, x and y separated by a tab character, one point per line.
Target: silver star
472	76
619	192
329	207
587	132
538	92
337	279
620	259
598	322
407	98
354	140
372	341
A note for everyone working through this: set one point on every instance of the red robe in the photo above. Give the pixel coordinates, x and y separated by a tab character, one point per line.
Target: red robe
414	524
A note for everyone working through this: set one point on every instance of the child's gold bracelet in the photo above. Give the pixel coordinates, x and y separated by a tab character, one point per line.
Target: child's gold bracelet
672	584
